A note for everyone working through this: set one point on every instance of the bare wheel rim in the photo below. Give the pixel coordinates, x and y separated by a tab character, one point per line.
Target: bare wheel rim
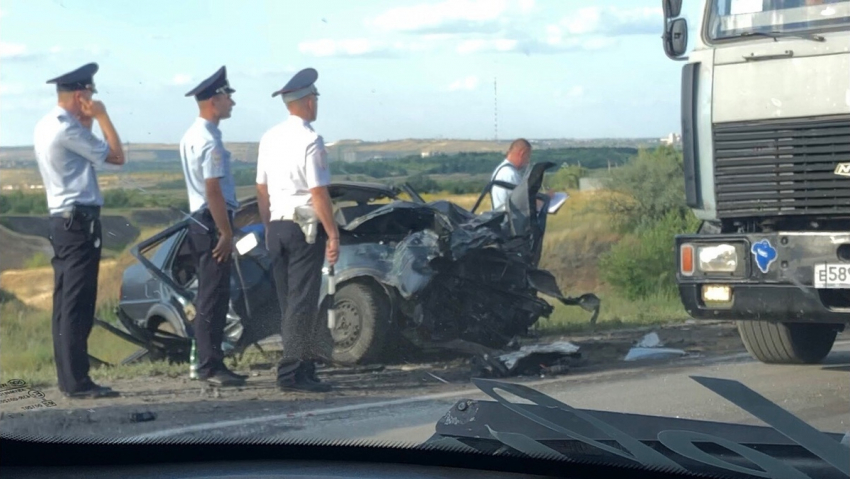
349	324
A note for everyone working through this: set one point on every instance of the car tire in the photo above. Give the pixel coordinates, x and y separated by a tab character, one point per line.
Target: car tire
787	343
363	321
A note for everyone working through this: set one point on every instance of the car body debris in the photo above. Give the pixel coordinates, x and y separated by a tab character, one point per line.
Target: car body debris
534	360
650	347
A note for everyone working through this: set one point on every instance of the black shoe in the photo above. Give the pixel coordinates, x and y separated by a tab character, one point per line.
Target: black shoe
233	373
308	372
93	392
303	384
224	378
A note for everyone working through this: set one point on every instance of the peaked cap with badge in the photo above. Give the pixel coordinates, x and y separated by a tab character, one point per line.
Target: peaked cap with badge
80	79
299	86
212	86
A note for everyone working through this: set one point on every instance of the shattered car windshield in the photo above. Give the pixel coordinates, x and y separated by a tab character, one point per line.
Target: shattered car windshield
442	224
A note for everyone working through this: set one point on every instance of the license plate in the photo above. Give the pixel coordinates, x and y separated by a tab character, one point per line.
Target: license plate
832	276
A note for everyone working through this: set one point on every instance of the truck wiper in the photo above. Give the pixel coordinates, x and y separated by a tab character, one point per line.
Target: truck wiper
777	35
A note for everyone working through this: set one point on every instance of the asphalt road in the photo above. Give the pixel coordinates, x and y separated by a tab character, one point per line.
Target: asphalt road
818	394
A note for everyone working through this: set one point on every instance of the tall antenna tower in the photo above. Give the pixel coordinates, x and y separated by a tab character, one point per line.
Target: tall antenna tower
496	108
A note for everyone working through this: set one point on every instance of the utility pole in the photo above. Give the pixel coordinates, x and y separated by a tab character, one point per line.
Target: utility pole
496	108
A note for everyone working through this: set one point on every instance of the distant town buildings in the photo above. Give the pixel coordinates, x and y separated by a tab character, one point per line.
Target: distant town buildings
672	139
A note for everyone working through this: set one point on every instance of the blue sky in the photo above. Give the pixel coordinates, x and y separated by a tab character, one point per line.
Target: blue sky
387	69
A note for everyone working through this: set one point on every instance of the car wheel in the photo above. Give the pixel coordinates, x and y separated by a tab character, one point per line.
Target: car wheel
787	343
362	322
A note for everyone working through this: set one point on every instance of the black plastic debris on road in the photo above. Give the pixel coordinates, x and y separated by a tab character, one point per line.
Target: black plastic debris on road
145	416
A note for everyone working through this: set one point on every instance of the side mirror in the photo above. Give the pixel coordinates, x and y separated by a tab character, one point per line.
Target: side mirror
676	38
672	8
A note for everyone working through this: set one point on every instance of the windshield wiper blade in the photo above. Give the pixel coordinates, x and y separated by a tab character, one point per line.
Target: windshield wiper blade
777	35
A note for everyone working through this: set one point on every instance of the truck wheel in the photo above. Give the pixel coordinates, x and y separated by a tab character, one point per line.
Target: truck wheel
787	343
362	322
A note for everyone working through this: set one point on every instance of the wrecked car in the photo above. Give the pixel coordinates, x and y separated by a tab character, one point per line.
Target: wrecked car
410	272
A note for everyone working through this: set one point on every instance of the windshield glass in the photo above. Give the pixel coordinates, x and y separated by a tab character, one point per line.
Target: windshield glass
328	221
734	18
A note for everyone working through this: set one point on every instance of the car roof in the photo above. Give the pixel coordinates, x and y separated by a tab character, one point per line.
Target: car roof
344	191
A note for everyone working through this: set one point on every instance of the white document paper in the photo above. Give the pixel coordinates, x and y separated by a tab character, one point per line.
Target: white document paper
558	200
246	244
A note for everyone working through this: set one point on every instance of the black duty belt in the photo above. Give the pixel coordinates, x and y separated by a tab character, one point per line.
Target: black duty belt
84	212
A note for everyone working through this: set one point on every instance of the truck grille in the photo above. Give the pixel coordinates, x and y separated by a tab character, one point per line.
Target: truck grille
782	167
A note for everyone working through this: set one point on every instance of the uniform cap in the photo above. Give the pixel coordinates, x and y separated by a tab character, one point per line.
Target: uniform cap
212	86
299	86
80	79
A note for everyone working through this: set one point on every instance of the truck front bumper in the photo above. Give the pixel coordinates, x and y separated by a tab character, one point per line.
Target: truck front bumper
781	289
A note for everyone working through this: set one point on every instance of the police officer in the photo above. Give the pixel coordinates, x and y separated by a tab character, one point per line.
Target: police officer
68	154
292	179
212	201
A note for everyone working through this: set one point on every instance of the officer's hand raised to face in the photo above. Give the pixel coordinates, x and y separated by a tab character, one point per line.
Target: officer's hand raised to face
332	250
93	108
222	250
86	121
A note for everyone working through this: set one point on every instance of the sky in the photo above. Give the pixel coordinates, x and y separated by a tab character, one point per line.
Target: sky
388	69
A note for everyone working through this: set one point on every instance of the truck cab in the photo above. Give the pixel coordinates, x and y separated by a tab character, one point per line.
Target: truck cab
765	103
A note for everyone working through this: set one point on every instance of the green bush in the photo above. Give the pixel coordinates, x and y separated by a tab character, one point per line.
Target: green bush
643	263
652	184
650	209
38	260
565	178
21	203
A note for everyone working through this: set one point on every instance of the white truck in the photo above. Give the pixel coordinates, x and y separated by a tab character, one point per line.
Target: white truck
766	145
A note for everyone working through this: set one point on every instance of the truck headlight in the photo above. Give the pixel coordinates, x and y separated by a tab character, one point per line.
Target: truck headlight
722	258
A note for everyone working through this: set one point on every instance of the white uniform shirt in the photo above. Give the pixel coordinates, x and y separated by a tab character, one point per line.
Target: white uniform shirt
292	159
68	154
203	156
508	173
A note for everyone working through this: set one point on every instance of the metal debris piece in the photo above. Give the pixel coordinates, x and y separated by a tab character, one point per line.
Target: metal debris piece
638	354
651	340
650	347
563	347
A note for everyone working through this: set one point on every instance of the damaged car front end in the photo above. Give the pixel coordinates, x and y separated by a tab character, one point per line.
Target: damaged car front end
410	272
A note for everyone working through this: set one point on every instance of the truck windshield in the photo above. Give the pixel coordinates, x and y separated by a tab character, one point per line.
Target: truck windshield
737	18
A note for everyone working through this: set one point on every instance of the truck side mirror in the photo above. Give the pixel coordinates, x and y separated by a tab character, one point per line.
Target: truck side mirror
672	8
676	38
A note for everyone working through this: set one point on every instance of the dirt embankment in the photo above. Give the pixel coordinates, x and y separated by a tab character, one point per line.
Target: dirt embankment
118	232
19	249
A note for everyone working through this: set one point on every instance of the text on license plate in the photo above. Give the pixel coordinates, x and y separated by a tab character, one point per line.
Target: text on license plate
832	276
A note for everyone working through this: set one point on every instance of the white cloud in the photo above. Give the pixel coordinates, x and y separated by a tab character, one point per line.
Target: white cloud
181	79
433	16
613	21
12	50
482	46
352	47
576	91
469	83
11	89
491	26
526	6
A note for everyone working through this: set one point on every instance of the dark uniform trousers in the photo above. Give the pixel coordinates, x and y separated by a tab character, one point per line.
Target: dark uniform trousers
213	299
76	241
297	269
